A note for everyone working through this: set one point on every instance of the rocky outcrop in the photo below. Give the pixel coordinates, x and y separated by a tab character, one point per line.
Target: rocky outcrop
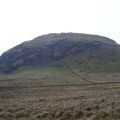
54	47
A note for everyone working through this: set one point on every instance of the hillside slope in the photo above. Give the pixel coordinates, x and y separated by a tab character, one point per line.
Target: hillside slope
82	51
64	76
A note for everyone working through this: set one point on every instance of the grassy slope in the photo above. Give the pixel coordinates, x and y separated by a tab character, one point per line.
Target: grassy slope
56	75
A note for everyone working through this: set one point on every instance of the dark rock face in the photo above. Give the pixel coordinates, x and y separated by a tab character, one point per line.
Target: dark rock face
52	47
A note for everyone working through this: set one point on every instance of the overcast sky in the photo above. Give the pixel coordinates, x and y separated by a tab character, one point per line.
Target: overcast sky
22	20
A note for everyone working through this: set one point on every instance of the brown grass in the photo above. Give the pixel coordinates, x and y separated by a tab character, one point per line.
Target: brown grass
89	102
29	97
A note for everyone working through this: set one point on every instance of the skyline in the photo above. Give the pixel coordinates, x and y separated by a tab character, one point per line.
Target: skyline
26	19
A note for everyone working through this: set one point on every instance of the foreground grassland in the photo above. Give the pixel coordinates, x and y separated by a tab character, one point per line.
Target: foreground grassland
40	95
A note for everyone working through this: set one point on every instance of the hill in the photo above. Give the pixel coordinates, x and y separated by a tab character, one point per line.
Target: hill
80	51
67	76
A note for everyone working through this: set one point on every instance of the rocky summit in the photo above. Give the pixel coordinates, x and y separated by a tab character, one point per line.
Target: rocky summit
73	49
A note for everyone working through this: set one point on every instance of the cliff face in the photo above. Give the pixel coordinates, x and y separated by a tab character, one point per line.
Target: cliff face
54	47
